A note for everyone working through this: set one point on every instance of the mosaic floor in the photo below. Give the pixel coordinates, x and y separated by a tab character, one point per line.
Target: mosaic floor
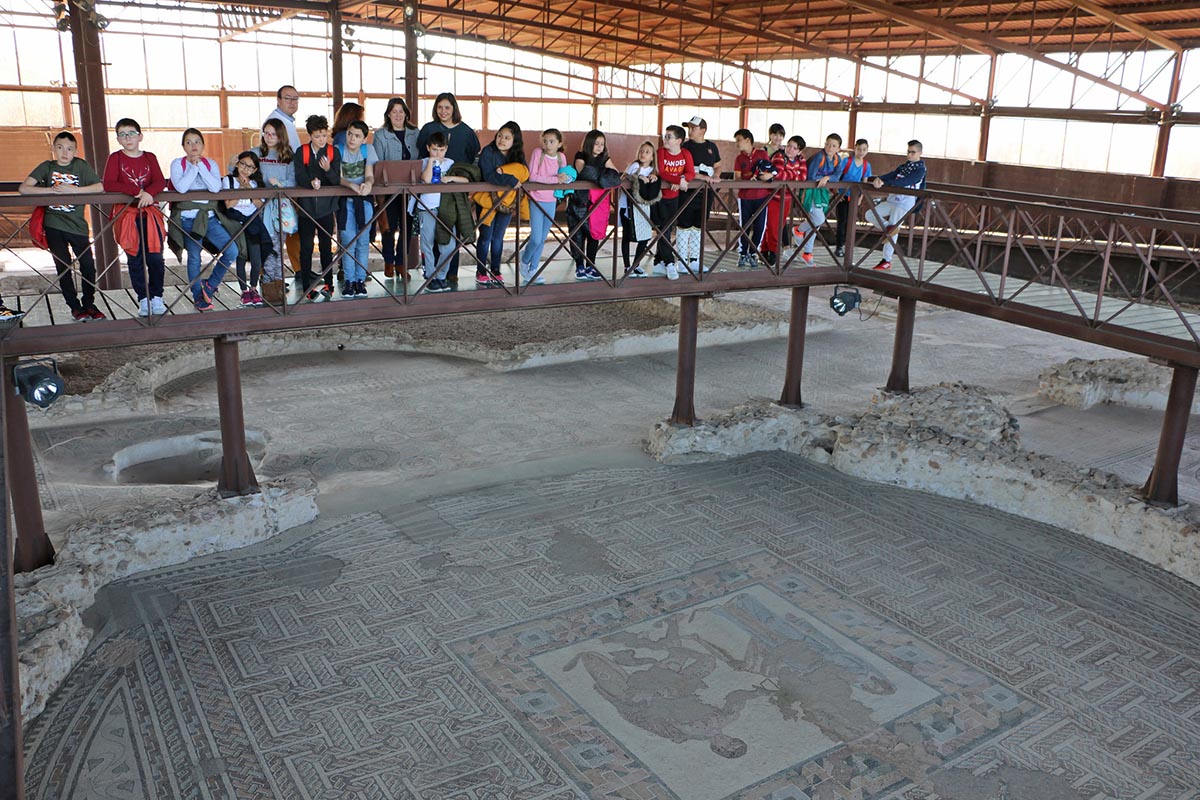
764	628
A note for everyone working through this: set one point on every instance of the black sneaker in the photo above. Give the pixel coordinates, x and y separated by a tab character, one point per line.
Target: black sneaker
840	252
438	285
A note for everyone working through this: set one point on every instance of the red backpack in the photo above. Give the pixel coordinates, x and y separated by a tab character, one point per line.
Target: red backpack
305	151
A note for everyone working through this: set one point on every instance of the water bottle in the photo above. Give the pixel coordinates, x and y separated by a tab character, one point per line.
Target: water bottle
437	173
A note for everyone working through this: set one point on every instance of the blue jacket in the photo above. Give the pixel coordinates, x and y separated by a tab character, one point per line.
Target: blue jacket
490	162
909	175
821	165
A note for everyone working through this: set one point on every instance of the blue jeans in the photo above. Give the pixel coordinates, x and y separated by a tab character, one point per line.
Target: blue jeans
215	234
429	226
541	220
491	243
145	265
356	253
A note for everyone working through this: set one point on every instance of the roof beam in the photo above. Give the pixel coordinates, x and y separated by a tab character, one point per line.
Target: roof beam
286	14
1122	21
761	33
943	29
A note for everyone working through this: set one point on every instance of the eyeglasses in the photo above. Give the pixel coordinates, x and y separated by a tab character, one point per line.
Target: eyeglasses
128	134
244	165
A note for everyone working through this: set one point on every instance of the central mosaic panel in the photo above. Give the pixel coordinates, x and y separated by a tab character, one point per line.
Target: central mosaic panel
743	680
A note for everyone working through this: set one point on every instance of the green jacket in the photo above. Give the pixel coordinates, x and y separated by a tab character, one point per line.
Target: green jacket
175	232
455	209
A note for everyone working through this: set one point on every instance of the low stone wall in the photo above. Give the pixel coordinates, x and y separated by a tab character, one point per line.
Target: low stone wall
50	601
1083	383
951	440
132	387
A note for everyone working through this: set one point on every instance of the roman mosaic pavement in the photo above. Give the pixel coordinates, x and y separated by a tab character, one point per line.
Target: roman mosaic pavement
759	629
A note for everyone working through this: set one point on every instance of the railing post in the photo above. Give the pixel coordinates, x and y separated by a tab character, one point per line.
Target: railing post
1163	484
685	373
852	203
795	349
12	750
237	476
33	547
902	349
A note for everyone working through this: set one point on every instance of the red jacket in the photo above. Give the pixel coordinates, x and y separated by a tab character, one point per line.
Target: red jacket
789	170
673	167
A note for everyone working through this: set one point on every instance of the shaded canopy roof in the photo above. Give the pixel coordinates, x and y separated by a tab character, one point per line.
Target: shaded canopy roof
624	32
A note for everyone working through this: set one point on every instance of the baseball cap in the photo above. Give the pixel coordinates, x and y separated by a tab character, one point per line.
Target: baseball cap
696	122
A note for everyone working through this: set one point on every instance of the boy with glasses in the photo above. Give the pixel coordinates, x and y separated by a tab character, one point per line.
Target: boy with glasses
136	173
888	214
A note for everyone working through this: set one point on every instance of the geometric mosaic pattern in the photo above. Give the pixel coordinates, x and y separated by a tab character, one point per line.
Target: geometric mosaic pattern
763	628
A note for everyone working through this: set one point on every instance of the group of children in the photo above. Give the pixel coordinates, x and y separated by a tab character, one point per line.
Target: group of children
664	195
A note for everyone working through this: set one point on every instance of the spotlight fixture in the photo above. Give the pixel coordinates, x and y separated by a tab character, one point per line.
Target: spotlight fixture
37	381
844	300
62	18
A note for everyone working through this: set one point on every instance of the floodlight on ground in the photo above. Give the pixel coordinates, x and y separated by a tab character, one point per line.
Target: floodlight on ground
37	380
845	299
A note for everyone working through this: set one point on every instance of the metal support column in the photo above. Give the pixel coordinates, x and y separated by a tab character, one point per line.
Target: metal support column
1163	484
33	545
412	79
1167	121
985	115
902	350
93	124
795	350
685	372
852	120
12	749
237	476
335	54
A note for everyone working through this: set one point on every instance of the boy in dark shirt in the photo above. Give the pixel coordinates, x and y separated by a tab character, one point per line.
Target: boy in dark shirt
889	214
750	201
706	160
317	165
66	227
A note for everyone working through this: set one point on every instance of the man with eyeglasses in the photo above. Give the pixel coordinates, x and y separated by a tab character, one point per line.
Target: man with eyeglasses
889	213
287	101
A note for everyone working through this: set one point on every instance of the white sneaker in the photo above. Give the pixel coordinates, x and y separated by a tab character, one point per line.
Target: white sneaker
672	272
157	306
658	269
143	307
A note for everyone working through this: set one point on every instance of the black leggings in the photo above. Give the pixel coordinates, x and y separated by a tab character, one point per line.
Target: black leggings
628	235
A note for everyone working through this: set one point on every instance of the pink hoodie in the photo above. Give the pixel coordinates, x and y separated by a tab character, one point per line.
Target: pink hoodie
543	170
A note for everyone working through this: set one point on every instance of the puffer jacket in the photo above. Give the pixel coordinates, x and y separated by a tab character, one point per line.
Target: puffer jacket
455	209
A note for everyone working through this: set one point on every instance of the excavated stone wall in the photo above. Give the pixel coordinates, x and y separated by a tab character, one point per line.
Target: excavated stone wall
955	441
1083	383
